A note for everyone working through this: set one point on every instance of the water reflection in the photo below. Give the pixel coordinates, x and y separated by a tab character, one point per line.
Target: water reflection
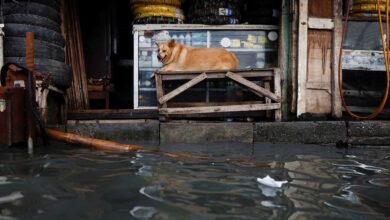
70	183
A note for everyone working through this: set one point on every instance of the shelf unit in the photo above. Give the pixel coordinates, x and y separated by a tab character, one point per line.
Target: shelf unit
240	39
363	63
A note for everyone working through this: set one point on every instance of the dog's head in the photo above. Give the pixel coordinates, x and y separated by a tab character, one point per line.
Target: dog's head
165	51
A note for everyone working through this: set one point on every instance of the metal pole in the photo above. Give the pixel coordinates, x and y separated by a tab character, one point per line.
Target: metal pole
31	126
1	34
1	46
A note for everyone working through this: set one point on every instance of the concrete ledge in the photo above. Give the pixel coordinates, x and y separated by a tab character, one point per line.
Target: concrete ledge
152	133
326	132
194	133
369	129
124	131
369	133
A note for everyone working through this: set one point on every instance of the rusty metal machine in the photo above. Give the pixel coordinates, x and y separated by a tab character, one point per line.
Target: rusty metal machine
19	116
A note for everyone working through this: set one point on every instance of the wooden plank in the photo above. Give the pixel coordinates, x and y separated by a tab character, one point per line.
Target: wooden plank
319	72
267	86
159	87
260	75
293	57
113	114
302	56
320	8
202	27
253	86
203	104
248	71
211	109
337	32
182	88
321	23
278	92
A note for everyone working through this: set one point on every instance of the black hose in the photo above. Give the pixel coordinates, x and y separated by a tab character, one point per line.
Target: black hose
3	74
34	108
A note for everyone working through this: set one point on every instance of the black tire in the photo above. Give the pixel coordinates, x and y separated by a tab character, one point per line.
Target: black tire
32	8
40	33
61	74
16	47
35	20
52	3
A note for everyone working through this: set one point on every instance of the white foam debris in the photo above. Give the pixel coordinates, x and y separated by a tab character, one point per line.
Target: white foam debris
268	181
11	197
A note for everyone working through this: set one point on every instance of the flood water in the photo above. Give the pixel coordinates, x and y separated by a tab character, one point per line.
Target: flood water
66	182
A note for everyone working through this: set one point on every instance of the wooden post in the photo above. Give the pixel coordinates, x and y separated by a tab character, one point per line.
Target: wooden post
337	32
160	93
278	92
302	56
293	56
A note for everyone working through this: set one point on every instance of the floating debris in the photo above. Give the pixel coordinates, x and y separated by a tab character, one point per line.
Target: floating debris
11	197
142	212
268	181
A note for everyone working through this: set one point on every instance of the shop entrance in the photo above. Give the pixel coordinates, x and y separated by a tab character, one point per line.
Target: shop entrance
113	57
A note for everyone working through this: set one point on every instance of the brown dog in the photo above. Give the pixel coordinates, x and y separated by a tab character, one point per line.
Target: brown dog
177	57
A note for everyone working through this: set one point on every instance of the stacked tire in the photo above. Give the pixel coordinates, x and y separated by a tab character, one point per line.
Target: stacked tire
215	12
368	8
157	11
42	17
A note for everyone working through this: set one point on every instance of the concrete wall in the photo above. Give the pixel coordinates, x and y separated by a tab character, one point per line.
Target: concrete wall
151	132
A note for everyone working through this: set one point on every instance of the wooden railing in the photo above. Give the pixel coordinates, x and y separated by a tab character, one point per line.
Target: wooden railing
268	100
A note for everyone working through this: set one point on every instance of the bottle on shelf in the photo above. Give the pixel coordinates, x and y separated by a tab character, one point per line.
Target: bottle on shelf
181	39
188	39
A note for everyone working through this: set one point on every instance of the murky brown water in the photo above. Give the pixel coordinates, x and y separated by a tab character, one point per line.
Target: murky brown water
63	182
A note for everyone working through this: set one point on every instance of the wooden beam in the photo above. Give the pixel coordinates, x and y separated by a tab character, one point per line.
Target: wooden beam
253	70
215	75
203	104
337	32
302	56
159	86
267	86
182	88
216	109
321	23
278	92
293	56
113	114
253	86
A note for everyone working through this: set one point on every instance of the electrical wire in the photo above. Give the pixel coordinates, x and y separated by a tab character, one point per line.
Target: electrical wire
386	57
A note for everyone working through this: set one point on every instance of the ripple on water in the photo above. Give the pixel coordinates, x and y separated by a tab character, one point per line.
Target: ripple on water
142	212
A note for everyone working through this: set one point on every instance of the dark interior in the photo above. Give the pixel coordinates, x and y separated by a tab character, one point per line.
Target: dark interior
108	42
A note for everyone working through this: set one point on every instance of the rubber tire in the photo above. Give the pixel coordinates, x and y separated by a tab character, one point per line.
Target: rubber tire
61	74
40	33
55	4
32	8
16	47
35	20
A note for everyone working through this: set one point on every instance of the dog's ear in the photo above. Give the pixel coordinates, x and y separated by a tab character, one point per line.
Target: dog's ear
157	44
171	43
